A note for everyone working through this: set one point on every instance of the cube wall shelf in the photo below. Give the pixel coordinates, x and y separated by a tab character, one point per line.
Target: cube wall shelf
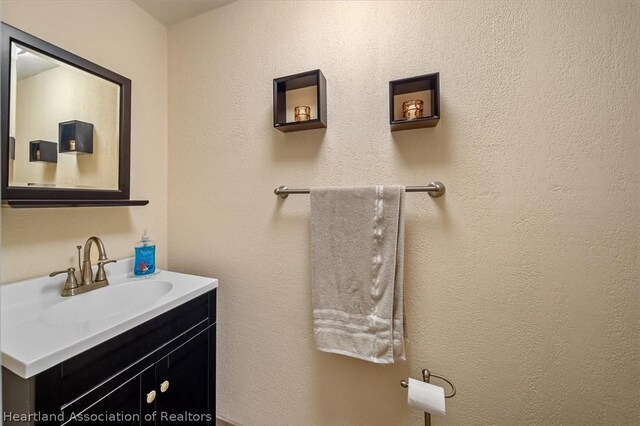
75	137
43	151
306	88
425	88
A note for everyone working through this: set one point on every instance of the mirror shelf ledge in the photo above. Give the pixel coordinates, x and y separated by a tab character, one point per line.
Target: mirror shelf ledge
43	203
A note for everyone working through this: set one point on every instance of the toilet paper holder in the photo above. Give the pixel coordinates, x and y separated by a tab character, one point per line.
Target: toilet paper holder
426	377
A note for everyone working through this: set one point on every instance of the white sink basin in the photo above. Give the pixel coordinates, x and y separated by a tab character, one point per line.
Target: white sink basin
39	328
106	302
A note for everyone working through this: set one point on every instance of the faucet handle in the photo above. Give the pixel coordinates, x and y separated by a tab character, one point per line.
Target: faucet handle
101	275
70	284
69	271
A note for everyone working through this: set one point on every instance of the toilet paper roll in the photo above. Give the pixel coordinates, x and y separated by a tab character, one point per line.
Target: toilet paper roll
426	397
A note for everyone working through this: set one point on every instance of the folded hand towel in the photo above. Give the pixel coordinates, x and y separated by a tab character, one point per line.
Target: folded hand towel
357	249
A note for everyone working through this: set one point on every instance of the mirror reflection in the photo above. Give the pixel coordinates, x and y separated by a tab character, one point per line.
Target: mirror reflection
64	125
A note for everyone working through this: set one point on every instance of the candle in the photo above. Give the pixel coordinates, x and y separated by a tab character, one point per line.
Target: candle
302	113
412	109
38	154
72	145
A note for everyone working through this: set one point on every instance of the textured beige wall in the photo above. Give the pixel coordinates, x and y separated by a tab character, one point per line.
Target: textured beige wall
122	37
62	94
521	282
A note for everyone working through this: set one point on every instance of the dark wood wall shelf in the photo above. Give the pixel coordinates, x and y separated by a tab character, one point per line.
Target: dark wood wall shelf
424	87
75	137
289	83
43	151
40	203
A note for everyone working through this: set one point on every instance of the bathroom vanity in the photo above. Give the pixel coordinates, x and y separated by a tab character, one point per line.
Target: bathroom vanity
139	351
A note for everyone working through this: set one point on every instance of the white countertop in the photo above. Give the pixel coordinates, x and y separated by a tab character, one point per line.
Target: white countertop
31	345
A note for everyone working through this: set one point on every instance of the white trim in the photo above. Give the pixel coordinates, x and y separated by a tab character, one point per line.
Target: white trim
357	355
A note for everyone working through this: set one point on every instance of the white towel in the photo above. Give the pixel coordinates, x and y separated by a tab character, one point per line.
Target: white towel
357	250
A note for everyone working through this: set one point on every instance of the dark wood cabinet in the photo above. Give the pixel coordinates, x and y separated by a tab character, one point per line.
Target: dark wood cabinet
183	383
159	373
122	398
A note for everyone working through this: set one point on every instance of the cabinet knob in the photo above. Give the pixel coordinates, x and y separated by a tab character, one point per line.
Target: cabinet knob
151	396
164	386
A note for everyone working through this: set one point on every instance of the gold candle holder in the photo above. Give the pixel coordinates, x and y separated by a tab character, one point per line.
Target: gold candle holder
412	109
302	113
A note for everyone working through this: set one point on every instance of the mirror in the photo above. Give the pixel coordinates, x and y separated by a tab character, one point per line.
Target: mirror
67	132
64	124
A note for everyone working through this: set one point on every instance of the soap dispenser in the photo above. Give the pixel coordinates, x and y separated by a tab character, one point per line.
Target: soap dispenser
145	256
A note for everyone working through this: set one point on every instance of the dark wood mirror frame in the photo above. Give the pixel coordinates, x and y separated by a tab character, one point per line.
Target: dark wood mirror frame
56	197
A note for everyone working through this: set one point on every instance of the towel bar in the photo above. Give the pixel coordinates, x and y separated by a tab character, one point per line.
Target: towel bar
435	189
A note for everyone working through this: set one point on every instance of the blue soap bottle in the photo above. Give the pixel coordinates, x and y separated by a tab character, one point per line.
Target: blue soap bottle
145	258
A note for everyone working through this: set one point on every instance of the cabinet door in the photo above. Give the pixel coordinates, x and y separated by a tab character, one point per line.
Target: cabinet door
184	376
122	402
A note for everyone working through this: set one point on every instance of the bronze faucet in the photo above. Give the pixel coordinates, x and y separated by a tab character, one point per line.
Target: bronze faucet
87	282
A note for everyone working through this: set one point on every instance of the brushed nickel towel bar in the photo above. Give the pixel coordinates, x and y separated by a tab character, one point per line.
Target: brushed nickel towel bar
435	189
